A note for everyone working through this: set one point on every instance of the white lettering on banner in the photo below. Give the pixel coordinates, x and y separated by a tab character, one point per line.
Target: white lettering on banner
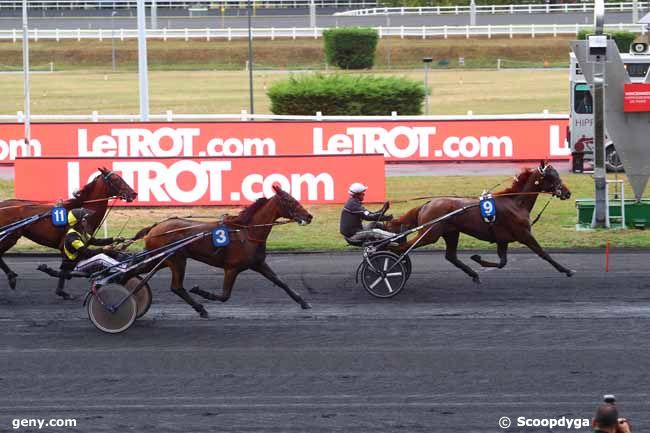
236	147
155	179
554	146
135	142
359	140
471	147
11	149
255	186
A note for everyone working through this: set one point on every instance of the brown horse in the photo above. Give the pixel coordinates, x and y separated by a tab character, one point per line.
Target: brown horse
512	223
93	196
247	248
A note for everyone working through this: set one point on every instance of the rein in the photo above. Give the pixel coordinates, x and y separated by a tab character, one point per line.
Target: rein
241	227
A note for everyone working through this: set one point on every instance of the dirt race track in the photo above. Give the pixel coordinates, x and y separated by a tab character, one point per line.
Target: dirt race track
445	355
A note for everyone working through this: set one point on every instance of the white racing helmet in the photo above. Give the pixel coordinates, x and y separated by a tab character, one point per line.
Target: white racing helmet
357	188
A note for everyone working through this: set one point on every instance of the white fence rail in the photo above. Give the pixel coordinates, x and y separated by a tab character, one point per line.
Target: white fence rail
185	4
494	9
170	116
424	32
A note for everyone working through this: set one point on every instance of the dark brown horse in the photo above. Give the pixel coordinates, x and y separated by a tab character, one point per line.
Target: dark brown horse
93	196
513	206
247	248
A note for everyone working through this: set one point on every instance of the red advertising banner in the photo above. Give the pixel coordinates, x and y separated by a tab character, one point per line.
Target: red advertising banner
444	140
207	181
636	97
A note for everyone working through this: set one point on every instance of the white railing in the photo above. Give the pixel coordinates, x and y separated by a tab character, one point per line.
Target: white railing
170	116
494	9
185	4
272	33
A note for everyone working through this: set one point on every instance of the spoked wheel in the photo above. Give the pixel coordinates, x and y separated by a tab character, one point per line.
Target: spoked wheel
103	313
144	296
383	275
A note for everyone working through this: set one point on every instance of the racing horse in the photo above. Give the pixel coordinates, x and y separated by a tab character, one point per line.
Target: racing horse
512	223
93	196
246	250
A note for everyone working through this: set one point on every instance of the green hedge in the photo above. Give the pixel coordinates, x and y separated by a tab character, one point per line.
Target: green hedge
622	38
351	47
347	95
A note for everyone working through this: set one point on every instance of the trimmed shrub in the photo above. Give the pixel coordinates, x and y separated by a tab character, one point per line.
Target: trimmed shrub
346	95
622	38
350	47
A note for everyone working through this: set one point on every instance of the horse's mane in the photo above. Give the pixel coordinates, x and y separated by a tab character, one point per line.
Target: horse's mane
244	217
518	182
406	221
85	190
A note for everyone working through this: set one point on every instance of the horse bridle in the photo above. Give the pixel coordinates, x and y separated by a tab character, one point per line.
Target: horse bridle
113	190
557	185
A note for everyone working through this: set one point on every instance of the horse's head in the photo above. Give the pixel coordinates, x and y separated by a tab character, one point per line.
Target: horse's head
549	181
116	186
290	208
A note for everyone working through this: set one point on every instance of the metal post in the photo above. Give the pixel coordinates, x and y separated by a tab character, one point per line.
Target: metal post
427	61
472	13
635	11
154	15
388	48
113	40
28	132
312	14
599	54
250	56
142	62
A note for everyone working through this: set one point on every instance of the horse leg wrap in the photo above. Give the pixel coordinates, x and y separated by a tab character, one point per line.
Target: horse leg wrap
11	277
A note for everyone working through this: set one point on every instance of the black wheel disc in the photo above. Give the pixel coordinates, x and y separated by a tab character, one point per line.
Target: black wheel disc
383	275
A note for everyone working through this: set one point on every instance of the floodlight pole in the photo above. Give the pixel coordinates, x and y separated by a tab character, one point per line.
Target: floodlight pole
599	55
472	13
113	63
427	61
27	110
250	56
142	62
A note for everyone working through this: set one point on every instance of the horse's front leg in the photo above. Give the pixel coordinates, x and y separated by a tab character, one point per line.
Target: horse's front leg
451	239
530	241
229	277
502	251
264	269
177	266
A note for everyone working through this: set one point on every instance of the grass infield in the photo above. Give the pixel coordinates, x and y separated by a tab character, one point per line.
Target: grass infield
556	229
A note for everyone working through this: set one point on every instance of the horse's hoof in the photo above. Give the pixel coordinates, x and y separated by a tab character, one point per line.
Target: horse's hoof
203	313
12	282
66	296
476	280
476	258
195	290
305	305
570	273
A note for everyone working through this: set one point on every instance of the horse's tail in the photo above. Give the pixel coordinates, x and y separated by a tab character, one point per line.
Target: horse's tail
143	232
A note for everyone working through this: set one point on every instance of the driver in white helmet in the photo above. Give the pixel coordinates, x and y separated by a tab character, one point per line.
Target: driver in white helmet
354	212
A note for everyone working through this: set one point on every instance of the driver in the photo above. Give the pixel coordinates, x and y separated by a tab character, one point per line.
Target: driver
76	254
354	212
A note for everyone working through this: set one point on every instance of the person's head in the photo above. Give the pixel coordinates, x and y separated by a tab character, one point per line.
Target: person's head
357	190
78	218
606	418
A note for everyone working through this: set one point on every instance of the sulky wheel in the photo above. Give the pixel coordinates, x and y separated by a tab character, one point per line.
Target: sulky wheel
104	314
383	275
144	296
